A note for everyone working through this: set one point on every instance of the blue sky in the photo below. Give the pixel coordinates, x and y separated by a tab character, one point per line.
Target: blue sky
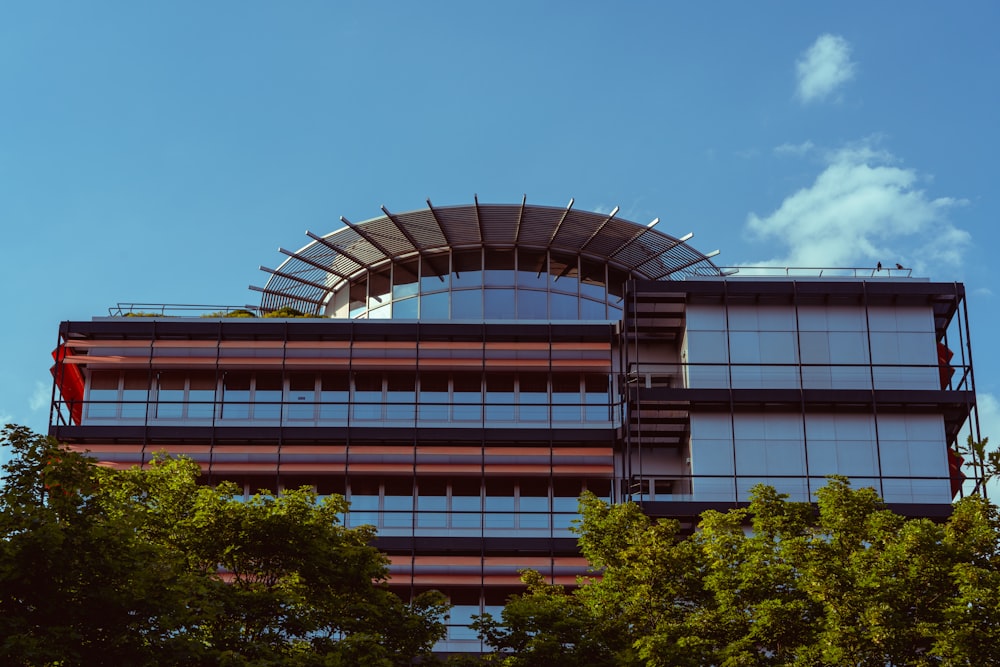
160	152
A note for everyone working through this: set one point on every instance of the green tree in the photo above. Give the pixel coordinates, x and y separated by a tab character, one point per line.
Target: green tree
842	582
149	567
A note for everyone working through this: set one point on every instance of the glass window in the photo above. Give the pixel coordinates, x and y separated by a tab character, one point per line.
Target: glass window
434	306
564	306
301	398
367	399
135	393
499	503
236	395
170	394
533	397
103	394
401	396
405	309
267	396
467	268
563	273
596	397
532	270
532	305
591	310
499	304
398	494
592	279
404	279
467	396
333	396
466	504
359	297
434	274
434	396
499	268
379	288
467	305
201	395
500	397
432	502
533	497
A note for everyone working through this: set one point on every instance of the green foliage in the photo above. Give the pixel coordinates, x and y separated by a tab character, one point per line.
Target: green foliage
845	582
148	567
288	311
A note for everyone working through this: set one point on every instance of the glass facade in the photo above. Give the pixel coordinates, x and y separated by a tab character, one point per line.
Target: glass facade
485	285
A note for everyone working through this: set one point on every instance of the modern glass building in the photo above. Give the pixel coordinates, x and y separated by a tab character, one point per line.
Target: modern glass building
473	369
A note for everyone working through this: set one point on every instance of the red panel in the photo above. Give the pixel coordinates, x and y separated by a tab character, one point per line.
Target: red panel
955	463
69	379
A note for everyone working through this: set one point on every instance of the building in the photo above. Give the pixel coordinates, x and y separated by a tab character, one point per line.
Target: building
478	367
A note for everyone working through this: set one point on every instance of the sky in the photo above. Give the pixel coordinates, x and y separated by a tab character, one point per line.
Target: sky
161	152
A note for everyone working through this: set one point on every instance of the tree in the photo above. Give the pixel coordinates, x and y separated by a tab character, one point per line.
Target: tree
148	566
844	582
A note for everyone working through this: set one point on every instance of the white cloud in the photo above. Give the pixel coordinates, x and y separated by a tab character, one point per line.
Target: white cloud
824	67
794	149
863	208
6	418
41	396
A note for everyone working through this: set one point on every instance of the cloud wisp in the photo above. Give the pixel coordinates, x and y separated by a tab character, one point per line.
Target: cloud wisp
823	68
863	208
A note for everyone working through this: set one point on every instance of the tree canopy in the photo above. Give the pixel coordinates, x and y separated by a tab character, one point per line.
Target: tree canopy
150	567
844	582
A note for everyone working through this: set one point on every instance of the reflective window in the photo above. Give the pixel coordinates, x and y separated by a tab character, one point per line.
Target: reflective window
434	306
532	269
301	398
434	273
404	279
236	395
532	305
499	268
467	268
103	394
406	309
467	305
267	396
333	396
434	396
499	304
379	288
135	393
500	397
367	402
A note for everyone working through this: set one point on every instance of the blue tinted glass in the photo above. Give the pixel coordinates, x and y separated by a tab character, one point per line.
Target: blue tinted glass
532	269
532	305
434	306
467	305
434	273
499	268
564	307
404	279
499	304
591	310
405	309
467	268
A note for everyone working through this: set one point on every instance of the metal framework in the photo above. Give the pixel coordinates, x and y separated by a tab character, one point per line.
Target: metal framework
642	252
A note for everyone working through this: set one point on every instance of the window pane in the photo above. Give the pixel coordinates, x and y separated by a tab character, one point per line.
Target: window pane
467	305
467	268
404	279
499	268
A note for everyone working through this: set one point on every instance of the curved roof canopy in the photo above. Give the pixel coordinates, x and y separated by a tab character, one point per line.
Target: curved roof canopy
310	275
